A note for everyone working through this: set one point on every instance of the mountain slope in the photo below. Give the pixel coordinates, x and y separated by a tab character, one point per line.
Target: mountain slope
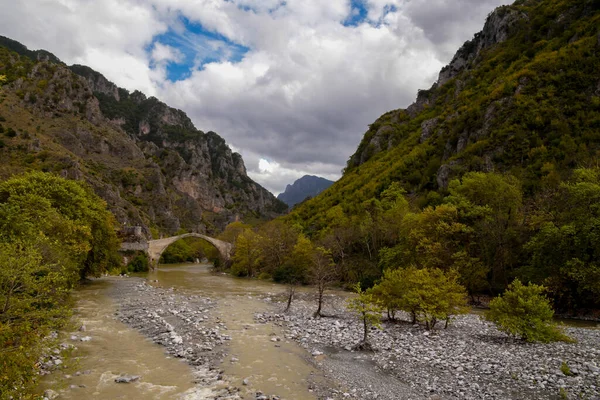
522	97
147	160
307	186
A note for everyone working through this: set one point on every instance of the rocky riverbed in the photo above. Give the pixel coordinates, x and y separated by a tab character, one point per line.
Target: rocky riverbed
469	360
184	325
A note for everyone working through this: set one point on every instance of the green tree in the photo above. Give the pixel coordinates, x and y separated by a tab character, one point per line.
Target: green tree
52	233
436	235
491	205
295	270
247	254
232	231
443	297
68	212
368	309
565	247
390	290
427	294
322	273
139	263
472	273
277	243
178	252
524	311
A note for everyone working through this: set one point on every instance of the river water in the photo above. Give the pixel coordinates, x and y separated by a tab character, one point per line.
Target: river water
115	349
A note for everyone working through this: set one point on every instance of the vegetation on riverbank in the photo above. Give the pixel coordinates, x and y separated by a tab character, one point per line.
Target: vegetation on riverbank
482	231
53	233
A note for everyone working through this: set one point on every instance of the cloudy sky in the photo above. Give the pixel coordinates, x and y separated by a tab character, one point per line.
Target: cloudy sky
290	84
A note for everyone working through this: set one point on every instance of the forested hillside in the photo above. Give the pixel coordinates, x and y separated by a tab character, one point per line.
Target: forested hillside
146	159
492	172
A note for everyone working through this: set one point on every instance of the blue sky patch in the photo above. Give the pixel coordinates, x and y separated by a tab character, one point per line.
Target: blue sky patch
358	14
199	46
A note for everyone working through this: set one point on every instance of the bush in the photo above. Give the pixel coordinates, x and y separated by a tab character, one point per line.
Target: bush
139	263
524	311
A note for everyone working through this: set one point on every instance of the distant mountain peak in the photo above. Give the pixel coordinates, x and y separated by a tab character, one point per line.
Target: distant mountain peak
307	186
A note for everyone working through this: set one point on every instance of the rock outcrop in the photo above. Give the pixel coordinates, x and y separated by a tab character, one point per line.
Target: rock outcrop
499	26
146	159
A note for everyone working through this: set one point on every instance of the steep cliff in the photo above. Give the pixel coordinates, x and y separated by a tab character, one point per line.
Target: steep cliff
146	159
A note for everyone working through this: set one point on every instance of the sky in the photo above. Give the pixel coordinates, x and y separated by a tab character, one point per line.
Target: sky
291	85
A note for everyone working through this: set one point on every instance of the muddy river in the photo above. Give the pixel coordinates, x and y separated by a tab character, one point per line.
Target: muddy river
115	349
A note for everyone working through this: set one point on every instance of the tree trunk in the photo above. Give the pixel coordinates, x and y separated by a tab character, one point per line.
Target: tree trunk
291	291
447	323
414	317
365	327
320	300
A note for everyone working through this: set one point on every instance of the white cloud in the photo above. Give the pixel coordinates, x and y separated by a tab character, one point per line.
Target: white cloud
304	93
162	53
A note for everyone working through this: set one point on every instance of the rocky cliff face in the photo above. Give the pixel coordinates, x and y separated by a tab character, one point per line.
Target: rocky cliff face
498	27
479	114
307	186
147	160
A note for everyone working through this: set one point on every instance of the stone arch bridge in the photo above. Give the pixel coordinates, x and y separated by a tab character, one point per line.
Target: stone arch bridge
155	248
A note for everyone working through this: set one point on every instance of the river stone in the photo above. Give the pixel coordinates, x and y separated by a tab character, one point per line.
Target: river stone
50	394
127	378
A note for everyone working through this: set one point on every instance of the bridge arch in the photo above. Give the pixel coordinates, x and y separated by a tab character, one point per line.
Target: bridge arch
158	246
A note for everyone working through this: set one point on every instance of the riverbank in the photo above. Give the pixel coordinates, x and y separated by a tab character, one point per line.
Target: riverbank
469	360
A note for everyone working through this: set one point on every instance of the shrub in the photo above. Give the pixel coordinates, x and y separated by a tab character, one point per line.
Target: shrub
138	264
565	369
524	311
